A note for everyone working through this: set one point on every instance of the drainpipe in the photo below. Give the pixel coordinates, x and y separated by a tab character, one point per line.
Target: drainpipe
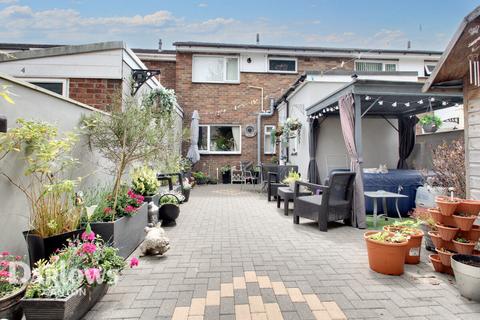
262	114
287	148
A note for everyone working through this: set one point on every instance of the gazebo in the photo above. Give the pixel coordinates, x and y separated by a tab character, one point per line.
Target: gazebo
374	98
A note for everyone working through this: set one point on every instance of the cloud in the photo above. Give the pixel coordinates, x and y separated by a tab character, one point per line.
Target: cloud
202	5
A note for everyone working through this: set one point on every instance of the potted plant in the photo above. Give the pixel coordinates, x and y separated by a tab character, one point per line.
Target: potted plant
121	222
169	209
427	225
12	286
145	183
55	211
464	220
445	256
226	173
469	207
463	246
386	252
187	187
200	177
447	205
72	281
409	229
446	233
467	275
291	179
430	123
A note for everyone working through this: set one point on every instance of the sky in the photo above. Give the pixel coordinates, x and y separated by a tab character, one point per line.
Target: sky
383	24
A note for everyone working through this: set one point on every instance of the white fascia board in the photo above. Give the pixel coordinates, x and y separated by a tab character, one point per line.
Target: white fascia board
157	57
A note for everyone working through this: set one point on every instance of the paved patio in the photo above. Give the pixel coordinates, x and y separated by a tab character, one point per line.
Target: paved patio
235	255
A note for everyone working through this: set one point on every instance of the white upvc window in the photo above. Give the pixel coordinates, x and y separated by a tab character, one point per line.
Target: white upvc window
282	65
59	86
220	139
269	145
215	69
376	66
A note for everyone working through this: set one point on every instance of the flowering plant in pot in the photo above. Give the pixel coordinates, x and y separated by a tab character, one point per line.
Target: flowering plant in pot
120	222
291	179
430	123
46	157
13	283
145	182
72	281
386	251
410	230
169	208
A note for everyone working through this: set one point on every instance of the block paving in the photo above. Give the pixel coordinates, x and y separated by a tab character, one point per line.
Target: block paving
235	256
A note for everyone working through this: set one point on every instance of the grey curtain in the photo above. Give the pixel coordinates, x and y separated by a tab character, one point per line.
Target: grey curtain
406	135
347	121
193	154
313	175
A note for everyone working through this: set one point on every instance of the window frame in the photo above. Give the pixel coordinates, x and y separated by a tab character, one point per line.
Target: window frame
282	58
64	82
208	151
426	72
195	56
383	62
265	133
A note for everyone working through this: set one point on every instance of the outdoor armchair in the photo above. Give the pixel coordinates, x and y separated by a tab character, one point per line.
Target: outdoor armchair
328	203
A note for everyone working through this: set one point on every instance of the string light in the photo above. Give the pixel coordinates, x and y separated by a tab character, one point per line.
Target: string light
380	102
432	99
407	104
367	98
420	102
444	103
394	104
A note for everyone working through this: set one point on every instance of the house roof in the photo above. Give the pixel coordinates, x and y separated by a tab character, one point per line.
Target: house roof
26	46
394	94
62	50
453	66
300	49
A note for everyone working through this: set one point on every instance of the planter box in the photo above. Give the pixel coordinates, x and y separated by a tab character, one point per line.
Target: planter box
73	307
42	248
125	233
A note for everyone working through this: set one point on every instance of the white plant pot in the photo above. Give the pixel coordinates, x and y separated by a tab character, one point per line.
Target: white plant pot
467	276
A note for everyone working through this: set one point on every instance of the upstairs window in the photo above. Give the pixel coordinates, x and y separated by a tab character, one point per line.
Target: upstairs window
268	142
58	86
375	66
282	65
215	69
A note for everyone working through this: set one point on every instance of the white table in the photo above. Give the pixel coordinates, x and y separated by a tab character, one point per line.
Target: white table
384	195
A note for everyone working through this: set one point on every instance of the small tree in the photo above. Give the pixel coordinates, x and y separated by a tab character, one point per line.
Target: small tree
128	136
448	161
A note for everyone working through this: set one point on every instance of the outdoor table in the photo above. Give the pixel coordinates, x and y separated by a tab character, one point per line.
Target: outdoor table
288	194
375	195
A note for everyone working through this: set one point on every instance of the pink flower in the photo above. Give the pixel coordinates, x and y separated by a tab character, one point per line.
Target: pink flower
92	275
140	198
5	253
4	263
88	236
89	247
129	209
107	210
134	262
131	194
139	202
4	274
18	258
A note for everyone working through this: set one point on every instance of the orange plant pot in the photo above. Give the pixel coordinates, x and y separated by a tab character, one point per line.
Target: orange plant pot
445	257
473	234
447	233
413	249
471	207
437	264
385	258
436	239
447	207
464	248
464	223
436	215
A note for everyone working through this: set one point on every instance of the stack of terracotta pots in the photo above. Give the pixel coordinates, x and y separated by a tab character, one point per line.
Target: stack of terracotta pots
456	231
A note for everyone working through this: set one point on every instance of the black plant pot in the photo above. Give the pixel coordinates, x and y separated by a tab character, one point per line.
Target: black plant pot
430	128
186	194
125	233
226	177
10	307
43	248
74	307
168	213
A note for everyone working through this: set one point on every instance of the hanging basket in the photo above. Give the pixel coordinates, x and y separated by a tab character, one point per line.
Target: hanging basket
168	212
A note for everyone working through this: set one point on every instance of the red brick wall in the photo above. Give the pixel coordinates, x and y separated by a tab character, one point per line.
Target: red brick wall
167	69
212	98
97	93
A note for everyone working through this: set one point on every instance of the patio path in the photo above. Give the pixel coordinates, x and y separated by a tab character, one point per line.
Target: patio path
232	253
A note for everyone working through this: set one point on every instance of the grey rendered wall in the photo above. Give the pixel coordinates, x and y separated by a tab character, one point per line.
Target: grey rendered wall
33	105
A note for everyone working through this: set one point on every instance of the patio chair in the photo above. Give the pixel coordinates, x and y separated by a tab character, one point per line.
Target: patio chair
275	180
328	203
264	170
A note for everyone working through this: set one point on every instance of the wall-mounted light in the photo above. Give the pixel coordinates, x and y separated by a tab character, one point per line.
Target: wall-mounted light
3	123
140	76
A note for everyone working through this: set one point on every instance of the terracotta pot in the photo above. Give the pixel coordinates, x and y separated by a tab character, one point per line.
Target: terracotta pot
414	244
447	233
474	233
437	264
471	207
464	223
386	258
436	215
447	207
437	241
463	248
445	257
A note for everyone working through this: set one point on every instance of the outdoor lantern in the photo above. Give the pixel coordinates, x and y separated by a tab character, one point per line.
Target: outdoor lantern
3	123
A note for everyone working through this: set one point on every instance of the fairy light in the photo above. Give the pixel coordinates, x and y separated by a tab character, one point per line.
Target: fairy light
380	102
432	99
394	104
367	98
407	104
444	103
420	102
